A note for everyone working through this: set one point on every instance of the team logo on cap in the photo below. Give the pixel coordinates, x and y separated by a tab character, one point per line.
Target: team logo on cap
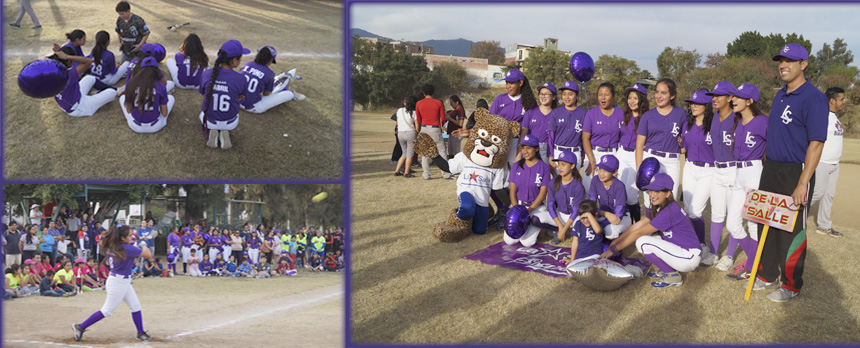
508	74
716	86
785	50
604	159
695	95
566	84
741	87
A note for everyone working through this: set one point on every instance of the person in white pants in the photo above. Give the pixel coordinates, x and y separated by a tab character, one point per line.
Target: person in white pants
699	168
601	131
722	131
529	180
75	99
827	172
151	116
564	197
263	94
658	132
637	104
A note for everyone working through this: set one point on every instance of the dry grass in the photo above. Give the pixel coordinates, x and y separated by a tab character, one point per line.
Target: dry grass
43	142
408	288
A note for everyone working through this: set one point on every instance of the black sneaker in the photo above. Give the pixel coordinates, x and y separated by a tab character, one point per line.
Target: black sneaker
144	337
79	333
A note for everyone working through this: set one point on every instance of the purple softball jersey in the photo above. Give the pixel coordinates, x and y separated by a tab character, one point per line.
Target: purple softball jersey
149	113
105	66
511	110
796	119
566	126
224	103
254	242
676	227
260	78
566	199
123	266
628	134
187	239
662	132
173	240
751	139
225	239
537	123
530	179
187	75
721	138
214	241
605	130
69	97
612	199
589	243
698	144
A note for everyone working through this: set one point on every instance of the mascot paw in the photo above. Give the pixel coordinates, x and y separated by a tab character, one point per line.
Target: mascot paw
425	146
453	230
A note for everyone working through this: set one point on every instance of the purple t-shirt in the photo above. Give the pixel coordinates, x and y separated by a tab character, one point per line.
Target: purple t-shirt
254	242
79	51
529	180
511	110
205	267
698	144
225	238
187	76
721	138
566	199
260	78
612	199
123	266
148	113
214	241
187	239
69	97
104	67
589	243
605	130
751	139
566	126
662	132
173	239
537	122
676	227
796	119
224	103
628	134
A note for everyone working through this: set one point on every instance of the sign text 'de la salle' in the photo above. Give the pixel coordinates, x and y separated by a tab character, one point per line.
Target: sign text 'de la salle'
771	209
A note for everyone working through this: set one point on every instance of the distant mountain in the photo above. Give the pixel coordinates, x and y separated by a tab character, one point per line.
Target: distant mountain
365	33
458	47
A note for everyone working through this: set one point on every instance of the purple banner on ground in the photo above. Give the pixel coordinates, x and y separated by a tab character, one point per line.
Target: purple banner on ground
541	258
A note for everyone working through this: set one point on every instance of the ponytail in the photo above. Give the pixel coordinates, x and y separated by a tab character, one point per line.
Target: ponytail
112	242
222	59
102	39
75	34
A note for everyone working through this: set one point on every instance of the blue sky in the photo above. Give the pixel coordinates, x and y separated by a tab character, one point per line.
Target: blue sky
634	31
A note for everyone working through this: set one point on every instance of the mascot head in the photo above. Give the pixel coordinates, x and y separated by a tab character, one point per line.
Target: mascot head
490	139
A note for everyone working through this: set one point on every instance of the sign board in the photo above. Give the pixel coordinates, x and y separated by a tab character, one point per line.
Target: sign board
771	209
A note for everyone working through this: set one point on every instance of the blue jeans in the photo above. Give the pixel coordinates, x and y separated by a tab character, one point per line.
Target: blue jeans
469	209
55	293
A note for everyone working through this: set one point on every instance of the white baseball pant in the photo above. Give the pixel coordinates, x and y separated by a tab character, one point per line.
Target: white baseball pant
721	190
696	184
221	125
682	260
174	73
532	232
627	174
254	255
826	175
213	253
613	231
671	166
513	151
278	97
578	153
147	127
119	290
112	79
186	254
746	179
89	104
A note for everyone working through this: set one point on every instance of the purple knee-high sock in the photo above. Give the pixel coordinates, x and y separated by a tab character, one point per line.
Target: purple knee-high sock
750	248
138	321
661	265
716	233
732	246
92	319
184	268
699	226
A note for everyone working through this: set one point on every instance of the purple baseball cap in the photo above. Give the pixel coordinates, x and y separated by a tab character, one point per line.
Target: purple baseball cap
271	49
514	75
233	48
700	97
147	49
747	91
567	156
660	182
793	51
548	86
637	87
530	140
608	163
186	229
149	61
570	85
722	88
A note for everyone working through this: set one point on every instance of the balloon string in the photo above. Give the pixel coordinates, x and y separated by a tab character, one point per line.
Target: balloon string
585	91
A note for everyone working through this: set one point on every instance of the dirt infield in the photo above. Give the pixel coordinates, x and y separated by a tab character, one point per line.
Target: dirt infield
41	141
409	288
302	311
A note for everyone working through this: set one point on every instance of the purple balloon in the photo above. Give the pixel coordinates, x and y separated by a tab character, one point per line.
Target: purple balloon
160	52
582	66
517	221
43	78
649	167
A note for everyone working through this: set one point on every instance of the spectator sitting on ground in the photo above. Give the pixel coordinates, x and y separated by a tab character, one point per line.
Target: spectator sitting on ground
264	268
316	263
245	269
48	287
330	263
137	271
206	266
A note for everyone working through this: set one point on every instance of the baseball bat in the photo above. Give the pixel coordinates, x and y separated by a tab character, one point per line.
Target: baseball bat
177	26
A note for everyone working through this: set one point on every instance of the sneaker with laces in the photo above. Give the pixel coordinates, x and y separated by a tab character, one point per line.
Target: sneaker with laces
144	337
298	96
782	295
668	279
655	274
79	332
829	232
725	263
739	273
762	285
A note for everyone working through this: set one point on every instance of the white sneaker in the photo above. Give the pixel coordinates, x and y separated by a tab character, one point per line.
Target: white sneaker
298	96
725	263
213	138
225	139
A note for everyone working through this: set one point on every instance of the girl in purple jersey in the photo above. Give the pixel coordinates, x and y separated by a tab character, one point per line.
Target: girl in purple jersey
699	170
749	147
188	64
104	62
254	243
658	133
214	244
75	99
565	194
147	104
226	241
565	127
537	119
529	180
120	256
601	130
637	103
224	89
513	105
77	40
262	93
611	197
675	249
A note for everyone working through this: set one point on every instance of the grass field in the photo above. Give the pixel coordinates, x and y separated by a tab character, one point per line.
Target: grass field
305	310
408	288
41	141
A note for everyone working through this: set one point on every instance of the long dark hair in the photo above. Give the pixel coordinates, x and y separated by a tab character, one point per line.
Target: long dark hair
706	121
528	95
222	59
755	111
658	208
537	154
192	48
68	51
142	87
455	98
112	242
102	40
576	175
75	34
410	103
644	105
29	236
673	89
264	56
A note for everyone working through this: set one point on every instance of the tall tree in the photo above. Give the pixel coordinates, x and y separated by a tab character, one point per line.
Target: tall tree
620	71
753	45
833	59
491	50
448	78
546	66
677	64
381	75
